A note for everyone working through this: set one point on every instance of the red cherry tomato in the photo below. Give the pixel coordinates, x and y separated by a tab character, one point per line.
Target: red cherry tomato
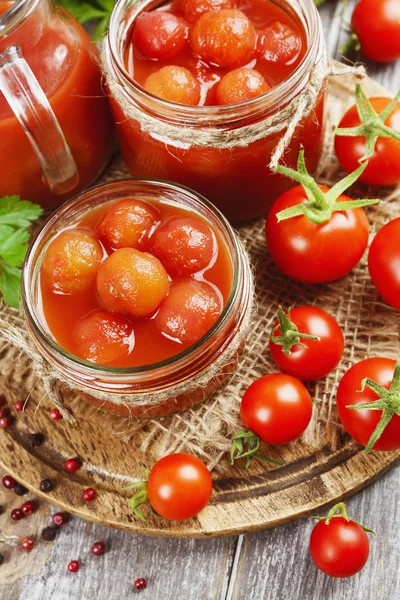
384	262
160	35
278	43
361	424
377	25
179	486
339	548
193	9
316	358
240	85
316	253
384	165
176	84
277	407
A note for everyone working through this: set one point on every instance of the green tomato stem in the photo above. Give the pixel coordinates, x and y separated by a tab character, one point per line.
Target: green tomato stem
251	440
289	334
342	509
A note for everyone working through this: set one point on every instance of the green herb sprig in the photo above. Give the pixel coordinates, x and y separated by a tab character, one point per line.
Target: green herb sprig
16	217
91	10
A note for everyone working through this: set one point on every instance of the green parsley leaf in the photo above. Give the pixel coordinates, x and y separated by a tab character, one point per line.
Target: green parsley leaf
16	216
91	10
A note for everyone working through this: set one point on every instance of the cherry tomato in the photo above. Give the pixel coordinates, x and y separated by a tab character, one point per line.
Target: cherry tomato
377	25
384	165
339	546
316	358
361	424
277	407
384	262
278	43
160	35
193	9
316	253
176	84
240	85
179	487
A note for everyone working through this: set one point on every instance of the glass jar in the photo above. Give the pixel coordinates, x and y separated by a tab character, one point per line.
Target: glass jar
56	130
222	344
237	180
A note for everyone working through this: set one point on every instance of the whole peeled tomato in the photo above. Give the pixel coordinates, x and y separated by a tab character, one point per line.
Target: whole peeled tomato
316	253
132	283
384	165
192	10
224	38
278	43
71	261
176	84
276	407
377	26
307	359
160	35
361	424
384	262
339	547
240	85
179	487
189	311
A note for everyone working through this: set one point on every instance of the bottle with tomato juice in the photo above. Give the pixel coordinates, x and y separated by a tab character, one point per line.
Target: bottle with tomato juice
56	130
186	74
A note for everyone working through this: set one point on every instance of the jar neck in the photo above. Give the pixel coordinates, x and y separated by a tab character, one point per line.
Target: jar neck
152	377
18	13
126	11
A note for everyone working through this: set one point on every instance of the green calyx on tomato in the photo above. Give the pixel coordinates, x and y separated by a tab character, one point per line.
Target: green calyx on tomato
342	510
138	499
372	124
320	204
388	403
248	438
290	335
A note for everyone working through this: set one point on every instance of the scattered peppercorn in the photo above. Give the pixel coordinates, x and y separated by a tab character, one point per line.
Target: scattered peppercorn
46	485
9	482
1	559
27	544
55	414
28	508
36	439
98	549
140	584
73	566
89	495
60	519
17	514
5	422
19	405
49	534
72	464
19	489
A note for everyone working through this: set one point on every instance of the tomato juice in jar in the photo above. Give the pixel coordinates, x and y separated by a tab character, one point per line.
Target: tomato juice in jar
173	90
56	130
138	287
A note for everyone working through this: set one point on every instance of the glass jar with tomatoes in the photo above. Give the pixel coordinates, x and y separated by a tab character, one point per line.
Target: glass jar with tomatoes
139	294
193	80
56	129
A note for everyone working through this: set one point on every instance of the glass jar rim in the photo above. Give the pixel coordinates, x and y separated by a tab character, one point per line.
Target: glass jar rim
35	251
18	11
217	114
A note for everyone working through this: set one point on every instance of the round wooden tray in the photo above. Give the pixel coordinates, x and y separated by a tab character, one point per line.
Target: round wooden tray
242	501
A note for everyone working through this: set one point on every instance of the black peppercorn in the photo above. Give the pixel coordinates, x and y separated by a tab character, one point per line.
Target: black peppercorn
1	559
49	533
19	490
36	439
1	509
46	485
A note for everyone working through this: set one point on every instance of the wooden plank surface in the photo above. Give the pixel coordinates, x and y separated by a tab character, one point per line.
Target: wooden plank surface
272	565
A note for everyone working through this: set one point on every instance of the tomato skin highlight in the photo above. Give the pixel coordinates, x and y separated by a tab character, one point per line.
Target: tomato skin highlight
179	486
339	548
312	253
361	424
277	407
377	25
384	165
384	262
318	358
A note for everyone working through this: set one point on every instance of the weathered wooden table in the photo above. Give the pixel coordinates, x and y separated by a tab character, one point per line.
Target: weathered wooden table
273	565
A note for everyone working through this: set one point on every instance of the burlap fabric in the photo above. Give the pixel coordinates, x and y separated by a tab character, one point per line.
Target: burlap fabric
371	328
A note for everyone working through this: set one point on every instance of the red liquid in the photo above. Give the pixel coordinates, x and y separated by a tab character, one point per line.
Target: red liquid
238	180
62	312
66	63
260	12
